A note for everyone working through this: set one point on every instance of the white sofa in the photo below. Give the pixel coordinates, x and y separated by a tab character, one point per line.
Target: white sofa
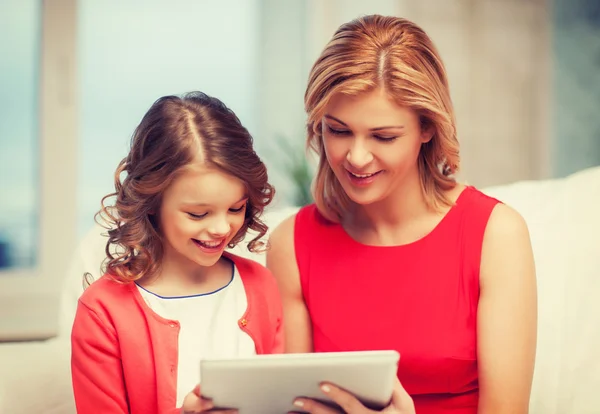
564	222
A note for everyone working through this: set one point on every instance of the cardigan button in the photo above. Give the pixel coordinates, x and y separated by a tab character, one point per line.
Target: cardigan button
243	322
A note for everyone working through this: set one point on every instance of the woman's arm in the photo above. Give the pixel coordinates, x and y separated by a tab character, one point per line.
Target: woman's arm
96	367
281	260
507	315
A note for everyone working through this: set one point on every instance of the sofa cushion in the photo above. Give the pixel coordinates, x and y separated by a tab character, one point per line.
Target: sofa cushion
563	220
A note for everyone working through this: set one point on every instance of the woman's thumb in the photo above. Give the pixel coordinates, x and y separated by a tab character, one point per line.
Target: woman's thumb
401	400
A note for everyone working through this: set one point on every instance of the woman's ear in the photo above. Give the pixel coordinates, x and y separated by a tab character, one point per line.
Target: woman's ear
427	132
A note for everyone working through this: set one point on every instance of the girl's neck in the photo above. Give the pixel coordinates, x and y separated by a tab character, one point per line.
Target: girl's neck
179	277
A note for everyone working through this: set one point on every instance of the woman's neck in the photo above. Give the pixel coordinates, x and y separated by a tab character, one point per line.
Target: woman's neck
402	204
401	218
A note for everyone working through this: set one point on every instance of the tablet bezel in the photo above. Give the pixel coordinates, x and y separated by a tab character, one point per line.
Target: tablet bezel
235	383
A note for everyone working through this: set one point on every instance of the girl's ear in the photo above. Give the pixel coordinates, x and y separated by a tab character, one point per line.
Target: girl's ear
153	219
153	211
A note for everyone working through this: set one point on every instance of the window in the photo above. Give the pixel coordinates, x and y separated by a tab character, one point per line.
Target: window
37	162
19	181
94	70
576	82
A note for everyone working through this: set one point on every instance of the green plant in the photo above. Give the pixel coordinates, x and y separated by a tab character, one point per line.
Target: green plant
295	164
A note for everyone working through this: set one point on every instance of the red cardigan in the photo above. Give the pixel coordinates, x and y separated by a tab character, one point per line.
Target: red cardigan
124	356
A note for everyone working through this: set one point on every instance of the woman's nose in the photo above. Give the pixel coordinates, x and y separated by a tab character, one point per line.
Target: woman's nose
359	155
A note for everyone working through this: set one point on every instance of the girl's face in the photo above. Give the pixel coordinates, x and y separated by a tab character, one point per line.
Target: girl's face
372	144
201	211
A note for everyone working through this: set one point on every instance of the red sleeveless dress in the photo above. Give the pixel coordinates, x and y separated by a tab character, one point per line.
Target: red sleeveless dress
419	299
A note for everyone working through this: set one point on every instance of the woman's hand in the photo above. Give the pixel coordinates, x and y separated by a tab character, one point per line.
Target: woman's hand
401	402
193	403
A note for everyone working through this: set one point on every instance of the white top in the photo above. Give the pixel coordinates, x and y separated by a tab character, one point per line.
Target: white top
208	328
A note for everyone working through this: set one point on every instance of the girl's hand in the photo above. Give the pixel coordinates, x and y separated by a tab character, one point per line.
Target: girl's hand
401	402
193	403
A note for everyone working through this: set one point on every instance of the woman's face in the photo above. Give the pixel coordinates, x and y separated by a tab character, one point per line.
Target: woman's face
372	144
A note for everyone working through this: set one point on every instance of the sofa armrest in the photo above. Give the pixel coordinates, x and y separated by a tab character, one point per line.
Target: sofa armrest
36	377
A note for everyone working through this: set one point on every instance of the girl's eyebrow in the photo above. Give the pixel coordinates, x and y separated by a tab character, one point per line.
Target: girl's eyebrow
244	198
333	118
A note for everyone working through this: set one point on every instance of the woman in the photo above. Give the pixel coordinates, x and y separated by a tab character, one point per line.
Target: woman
395	253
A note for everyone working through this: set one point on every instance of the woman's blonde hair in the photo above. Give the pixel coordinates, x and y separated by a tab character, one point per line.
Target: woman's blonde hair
394	54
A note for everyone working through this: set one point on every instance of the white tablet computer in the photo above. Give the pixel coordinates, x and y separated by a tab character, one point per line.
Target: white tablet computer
268	384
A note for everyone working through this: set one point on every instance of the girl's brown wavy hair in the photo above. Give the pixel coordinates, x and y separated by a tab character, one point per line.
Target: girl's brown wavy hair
397	55
167	141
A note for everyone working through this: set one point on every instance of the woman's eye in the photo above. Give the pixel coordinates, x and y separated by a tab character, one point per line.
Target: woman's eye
197	216
384	139
337	131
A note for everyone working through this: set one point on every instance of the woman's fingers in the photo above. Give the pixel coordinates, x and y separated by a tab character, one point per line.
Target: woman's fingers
402	402
348	402
313	407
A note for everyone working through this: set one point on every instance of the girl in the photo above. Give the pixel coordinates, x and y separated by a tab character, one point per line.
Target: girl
191	186
395	253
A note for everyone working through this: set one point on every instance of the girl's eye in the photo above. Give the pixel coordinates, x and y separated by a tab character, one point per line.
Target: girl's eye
337	131
384	139
237	210
197	216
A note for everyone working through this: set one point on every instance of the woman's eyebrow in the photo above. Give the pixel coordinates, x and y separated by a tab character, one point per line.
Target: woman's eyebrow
387	127
333	118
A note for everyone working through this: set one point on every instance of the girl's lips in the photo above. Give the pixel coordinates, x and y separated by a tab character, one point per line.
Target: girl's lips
209	248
